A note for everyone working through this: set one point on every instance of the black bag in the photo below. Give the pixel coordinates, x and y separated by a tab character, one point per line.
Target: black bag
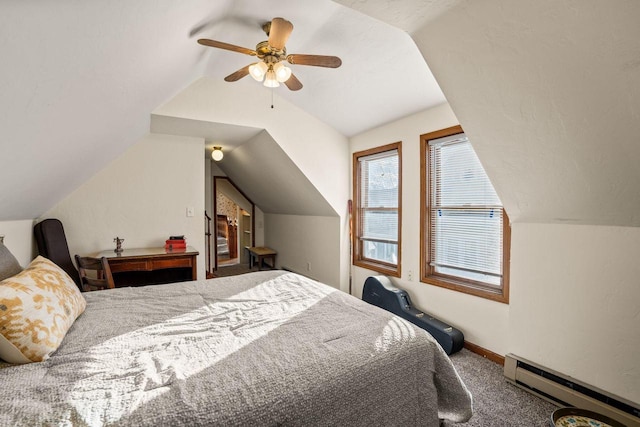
379	291
52	244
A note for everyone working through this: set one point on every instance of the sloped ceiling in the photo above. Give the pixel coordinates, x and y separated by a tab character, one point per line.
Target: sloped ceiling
549	93
408	15
255	163
213	132
383	76
271	180
79	80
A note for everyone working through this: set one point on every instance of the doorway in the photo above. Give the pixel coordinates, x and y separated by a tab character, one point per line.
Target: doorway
234	223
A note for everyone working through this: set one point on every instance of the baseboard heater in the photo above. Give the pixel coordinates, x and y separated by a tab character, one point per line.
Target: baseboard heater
566	391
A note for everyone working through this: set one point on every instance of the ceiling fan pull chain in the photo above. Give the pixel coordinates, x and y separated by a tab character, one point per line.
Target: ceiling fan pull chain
272	98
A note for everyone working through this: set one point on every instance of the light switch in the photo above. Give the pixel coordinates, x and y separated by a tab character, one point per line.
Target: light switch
189	211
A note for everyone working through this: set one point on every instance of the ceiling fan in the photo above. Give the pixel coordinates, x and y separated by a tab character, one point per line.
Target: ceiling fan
273	54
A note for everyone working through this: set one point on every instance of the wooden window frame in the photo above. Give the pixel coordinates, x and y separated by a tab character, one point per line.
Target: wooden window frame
356	242
427	274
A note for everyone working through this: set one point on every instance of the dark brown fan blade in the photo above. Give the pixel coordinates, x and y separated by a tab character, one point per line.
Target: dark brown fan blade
244	71
316	60
279	33
227	46
293	83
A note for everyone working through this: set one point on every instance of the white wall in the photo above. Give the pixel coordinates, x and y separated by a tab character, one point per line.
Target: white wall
300	240
549	94
260	227
18	238
319	151
482	321
574	294
575	302
142	196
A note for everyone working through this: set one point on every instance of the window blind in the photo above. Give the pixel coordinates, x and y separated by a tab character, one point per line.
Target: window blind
466	215
378	206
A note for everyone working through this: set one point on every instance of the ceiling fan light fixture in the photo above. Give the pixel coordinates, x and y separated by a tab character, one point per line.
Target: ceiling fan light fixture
258	70
272	56
282	72
270	79
217	153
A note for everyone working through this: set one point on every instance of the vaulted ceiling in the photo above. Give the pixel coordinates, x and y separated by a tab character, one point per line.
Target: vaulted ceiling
548	91
80	80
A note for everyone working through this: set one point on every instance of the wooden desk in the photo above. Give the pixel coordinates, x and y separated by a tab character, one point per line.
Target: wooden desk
151	266
261	253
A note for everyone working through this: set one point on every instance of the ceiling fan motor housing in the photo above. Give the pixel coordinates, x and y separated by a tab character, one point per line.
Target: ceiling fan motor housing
263	50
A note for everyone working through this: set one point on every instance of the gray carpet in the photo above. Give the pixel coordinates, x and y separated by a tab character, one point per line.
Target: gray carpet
497	403
234	270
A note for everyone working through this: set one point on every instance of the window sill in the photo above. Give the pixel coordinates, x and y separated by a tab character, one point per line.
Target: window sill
498	295
380	268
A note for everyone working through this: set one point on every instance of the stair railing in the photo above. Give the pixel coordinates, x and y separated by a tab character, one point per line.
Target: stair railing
207	235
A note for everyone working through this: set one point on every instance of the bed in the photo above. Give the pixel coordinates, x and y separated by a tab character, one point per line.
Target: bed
269	348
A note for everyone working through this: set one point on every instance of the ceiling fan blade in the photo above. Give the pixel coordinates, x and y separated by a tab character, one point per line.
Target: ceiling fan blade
315	60
227	46
244	71
279	33
293	83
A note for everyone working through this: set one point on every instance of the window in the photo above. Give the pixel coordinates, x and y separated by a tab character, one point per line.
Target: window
377	208
465	229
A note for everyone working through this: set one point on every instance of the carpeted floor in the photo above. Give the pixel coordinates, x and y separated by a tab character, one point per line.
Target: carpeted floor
233	270
497	403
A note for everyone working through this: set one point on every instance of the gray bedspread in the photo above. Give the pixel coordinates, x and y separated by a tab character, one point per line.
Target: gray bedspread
265	349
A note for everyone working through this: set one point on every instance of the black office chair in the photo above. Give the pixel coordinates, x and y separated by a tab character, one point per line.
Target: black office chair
101	278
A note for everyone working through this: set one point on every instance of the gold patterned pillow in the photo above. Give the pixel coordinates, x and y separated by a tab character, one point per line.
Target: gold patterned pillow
37	308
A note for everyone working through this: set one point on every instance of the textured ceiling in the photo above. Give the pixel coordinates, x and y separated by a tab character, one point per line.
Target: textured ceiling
549	94
79	80
548	91
383	75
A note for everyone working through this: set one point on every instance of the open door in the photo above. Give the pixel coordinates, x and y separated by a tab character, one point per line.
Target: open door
235	223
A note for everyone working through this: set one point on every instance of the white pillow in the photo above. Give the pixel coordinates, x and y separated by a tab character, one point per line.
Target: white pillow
37	308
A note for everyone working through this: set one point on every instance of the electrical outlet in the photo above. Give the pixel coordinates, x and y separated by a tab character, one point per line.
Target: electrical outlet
308	266
410	275
189	211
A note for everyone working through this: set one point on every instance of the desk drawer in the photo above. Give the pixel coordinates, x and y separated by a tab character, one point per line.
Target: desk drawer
158	264
117	267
